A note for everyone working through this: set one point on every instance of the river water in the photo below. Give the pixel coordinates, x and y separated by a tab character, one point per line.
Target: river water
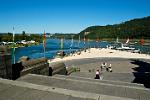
52	46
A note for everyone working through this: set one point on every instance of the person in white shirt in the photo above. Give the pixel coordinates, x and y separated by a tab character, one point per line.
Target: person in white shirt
103	66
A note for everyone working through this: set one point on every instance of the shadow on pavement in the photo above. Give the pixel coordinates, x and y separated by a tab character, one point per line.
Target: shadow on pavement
141	73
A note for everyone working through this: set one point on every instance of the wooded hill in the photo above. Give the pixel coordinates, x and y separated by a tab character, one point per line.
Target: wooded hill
135	28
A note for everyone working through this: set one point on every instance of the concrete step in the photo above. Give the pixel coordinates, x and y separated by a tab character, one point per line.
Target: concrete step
123	77
101	81
17	90
135	77
90	87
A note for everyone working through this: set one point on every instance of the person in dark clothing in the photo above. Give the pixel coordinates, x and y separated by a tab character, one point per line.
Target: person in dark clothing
97	75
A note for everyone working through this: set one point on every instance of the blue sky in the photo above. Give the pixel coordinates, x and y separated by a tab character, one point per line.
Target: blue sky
69	16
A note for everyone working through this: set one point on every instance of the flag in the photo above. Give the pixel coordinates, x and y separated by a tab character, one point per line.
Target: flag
44	39
44	42
142	41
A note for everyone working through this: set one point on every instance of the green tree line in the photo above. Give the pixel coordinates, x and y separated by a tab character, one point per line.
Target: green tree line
8	37
135	28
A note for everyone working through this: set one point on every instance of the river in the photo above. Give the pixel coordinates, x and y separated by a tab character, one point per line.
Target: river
52	46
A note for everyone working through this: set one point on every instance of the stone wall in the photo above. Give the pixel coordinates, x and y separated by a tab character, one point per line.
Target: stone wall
5	63
34	66
57	68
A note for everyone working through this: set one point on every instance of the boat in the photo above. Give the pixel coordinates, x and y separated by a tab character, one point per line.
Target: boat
60	53
124	47
136	51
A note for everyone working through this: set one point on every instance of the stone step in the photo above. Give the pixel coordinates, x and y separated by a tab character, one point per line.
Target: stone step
17	90
123	77
135	77
101	81
90	87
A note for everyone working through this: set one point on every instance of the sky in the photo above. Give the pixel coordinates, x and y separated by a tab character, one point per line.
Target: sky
67	16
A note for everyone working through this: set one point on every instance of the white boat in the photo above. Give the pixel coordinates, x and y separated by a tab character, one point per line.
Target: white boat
136	51
124	48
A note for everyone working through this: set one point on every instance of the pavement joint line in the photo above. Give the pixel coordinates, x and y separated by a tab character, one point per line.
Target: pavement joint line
92	82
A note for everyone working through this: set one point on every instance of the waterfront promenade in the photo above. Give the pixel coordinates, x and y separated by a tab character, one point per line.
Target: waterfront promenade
116	85
126	66
103	53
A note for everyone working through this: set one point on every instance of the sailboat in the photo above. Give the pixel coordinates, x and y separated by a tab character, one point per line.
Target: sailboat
124	47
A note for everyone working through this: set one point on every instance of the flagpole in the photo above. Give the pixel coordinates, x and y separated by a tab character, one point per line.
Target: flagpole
44	52
79	41
61	43
13	45
84	40
44	42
